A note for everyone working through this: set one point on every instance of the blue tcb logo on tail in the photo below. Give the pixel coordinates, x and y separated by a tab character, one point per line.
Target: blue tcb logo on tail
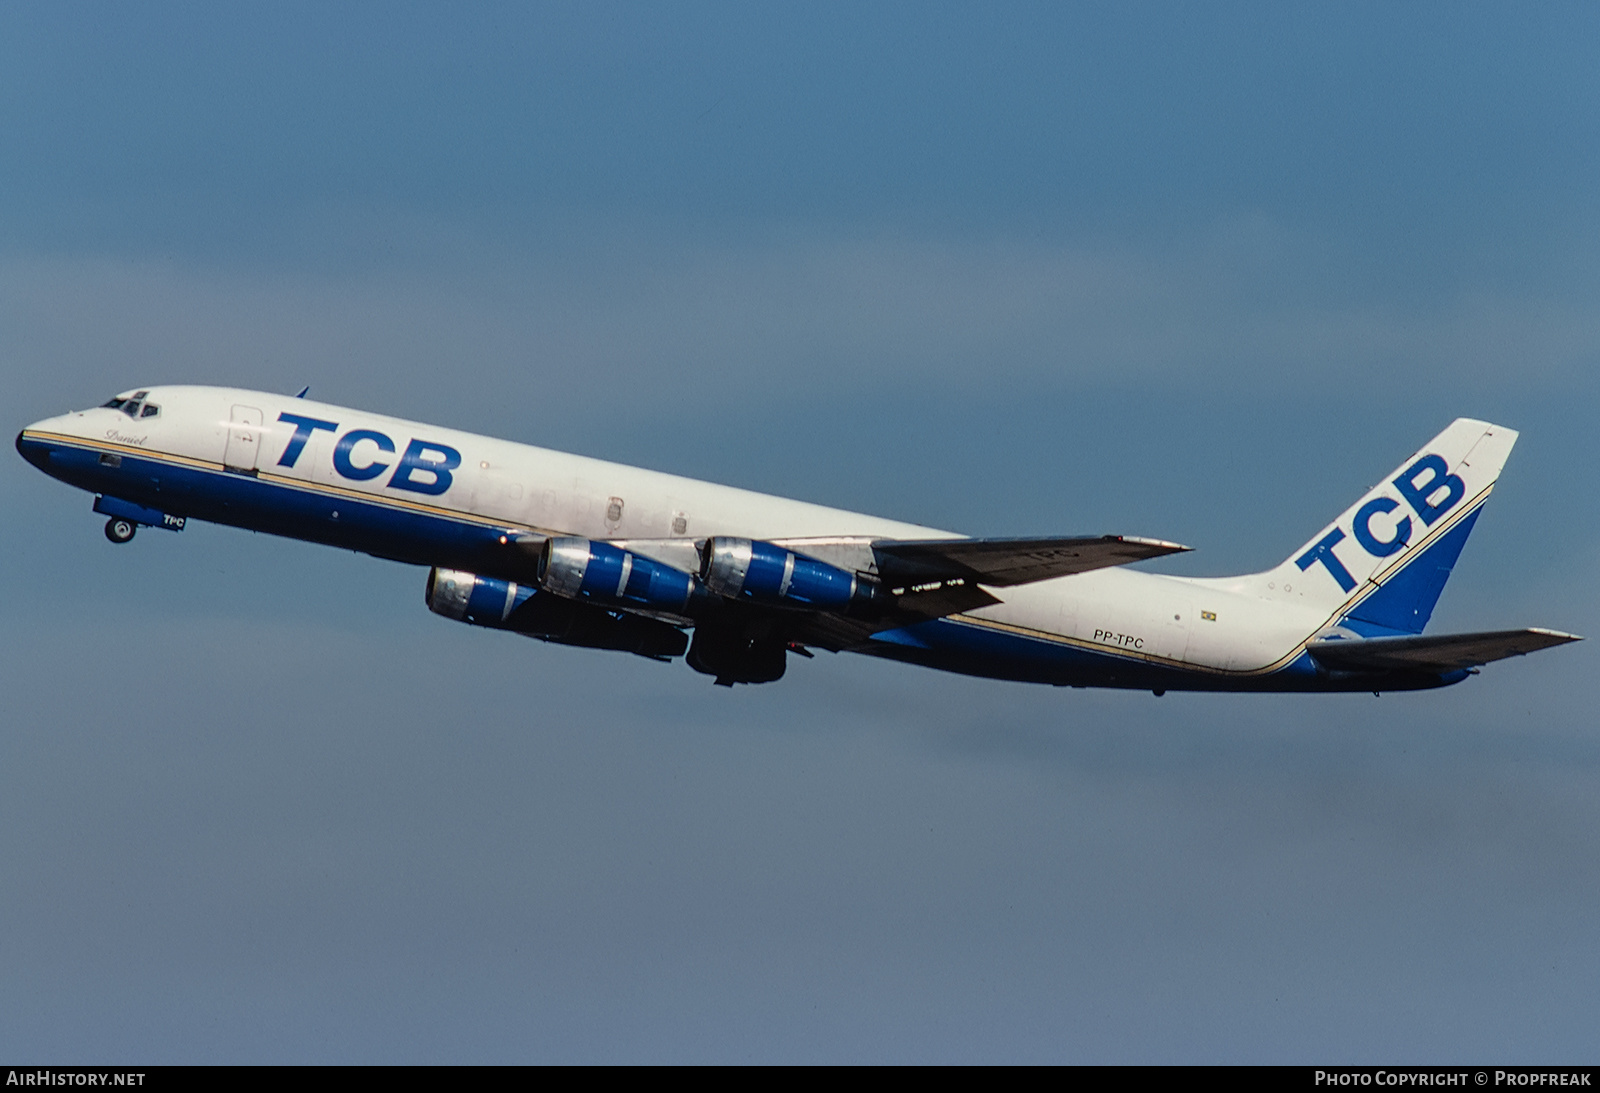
1428	487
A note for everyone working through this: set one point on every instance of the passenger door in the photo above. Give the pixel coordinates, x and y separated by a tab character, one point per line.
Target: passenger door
244	440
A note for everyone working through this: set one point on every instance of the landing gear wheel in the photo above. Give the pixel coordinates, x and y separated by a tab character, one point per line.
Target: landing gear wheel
120	531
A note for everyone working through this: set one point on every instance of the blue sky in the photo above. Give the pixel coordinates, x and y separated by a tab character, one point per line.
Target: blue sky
1202	273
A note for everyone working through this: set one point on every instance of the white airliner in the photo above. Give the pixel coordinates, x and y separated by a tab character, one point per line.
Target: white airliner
585	552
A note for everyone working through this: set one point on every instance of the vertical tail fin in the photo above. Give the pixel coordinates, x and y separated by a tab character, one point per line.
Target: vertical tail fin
1383	563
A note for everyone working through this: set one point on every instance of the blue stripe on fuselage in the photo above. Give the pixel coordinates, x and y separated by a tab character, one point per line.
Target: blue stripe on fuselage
958	645
372	525
397	531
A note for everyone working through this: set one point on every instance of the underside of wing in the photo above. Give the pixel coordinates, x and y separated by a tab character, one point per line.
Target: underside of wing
1440	653
833	592
1001	562
836	631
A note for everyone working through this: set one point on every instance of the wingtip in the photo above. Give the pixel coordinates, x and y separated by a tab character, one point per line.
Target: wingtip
1561	636
1165	546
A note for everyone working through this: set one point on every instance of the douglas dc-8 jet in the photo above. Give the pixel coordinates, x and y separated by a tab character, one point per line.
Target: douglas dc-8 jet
585	552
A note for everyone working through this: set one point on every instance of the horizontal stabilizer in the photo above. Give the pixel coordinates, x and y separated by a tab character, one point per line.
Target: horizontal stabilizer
1440	653
1001	562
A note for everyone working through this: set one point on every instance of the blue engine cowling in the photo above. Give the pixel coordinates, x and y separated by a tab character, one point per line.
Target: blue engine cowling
765	573
482	601
505	605
581	569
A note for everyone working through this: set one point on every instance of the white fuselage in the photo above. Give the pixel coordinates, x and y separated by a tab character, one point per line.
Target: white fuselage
1227	627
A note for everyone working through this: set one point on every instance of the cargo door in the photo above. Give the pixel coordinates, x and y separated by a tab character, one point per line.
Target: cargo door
244	440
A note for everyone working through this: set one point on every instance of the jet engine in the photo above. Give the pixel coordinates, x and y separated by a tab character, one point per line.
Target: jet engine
506	605
587	571
768	574
467	597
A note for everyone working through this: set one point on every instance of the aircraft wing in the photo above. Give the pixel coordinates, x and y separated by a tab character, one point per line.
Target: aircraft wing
1001	562
1433	653
932	578
916	579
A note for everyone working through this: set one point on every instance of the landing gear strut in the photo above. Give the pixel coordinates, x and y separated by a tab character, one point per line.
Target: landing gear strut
119	530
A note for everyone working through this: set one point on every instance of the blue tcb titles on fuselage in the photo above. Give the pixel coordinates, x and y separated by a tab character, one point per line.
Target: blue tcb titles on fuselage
359	455
1428	487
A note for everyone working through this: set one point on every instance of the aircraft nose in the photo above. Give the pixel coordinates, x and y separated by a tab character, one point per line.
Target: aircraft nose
35	451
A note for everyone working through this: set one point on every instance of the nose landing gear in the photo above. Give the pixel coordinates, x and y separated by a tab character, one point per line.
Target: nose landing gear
127	518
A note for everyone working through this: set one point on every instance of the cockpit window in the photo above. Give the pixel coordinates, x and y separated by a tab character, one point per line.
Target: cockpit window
134	406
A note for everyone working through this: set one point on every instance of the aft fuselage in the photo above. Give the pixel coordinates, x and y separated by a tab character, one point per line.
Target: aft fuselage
430	496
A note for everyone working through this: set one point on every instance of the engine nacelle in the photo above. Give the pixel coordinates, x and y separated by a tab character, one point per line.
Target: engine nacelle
581	569
765	573
482	601
505	605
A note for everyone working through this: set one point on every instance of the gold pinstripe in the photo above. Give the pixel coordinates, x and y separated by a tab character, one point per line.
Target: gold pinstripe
403	504
400	503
